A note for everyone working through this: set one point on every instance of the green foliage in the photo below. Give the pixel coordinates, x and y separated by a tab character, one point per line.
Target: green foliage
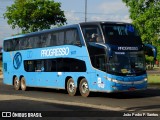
34	15
145	15
149	59
158	52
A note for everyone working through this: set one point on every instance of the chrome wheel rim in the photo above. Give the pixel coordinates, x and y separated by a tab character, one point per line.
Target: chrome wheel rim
23	83
71	87
16	82
84	87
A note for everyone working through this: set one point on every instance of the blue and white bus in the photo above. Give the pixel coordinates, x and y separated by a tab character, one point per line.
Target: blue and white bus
91	56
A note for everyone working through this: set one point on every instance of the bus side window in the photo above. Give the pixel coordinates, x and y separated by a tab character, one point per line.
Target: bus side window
23	43
77	65
8	45
60	65
92	33
39	66
60	40
15	44
29	66
53	41
72	37
48	39
35	42
44	40
100	61
47	65
54	66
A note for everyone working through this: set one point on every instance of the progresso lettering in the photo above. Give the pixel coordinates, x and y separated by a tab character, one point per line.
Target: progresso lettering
55	52
127	48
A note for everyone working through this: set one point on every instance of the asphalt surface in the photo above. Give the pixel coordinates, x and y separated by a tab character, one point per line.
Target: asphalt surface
58	103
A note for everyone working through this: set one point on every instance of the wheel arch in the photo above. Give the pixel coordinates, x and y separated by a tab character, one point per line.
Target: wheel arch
21	77
66	80
13	79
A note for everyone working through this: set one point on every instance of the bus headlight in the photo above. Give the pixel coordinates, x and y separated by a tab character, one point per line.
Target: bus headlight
145	79
113	80
126	83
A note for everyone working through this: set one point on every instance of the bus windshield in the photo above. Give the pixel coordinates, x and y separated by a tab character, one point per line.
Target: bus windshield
121	34
127	63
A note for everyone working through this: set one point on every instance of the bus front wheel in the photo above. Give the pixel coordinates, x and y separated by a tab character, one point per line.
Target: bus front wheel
23	84
71	89
16	83
84	88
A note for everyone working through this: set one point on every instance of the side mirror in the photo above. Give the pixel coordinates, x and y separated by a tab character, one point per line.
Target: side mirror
150	50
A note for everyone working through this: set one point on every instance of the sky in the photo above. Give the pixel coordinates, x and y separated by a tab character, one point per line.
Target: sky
97	10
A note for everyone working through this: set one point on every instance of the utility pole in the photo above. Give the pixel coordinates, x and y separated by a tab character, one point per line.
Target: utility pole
85	10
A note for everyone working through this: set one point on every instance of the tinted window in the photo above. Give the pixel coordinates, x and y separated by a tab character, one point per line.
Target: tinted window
121	34
92	33
68	36
54	39
8	45
60	40
72	37
55	65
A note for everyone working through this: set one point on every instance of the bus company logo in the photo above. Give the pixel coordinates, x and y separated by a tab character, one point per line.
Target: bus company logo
17	60
55	52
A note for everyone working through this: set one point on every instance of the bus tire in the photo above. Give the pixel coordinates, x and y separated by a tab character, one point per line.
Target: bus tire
71	89
84	88
16	83
23	84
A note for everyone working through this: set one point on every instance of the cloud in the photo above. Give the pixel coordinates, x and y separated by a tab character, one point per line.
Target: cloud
111	10
114	10
72	17
113	7
111	18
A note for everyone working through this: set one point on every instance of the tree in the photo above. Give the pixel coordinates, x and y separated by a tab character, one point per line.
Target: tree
146	17
34	15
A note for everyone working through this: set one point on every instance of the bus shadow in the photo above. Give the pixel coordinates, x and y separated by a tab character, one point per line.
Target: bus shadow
49	90
150	92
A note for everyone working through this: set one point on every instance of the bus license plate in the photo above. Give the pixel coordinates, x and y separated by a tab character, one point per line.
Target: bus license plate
132	89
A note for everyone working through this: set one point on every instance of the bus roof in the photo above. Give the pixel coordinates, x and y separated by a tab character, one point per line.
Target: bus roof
103	22
40	32
63	27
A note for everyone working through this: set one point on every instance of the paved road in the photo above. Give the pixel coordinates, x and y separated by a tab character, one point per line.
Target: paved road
37	99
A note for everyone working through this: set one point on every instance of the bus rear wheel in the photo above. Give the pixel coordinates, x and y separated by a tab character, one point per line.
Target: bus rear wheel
23	84
71	89
16	83
84	88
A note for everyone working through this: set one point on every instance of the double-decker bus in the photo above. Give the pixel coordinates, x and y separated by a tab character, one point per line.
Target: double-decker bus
91	56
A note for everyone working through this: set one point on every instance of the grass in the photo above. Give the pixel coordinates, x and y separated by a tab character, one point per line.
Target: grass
154	79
